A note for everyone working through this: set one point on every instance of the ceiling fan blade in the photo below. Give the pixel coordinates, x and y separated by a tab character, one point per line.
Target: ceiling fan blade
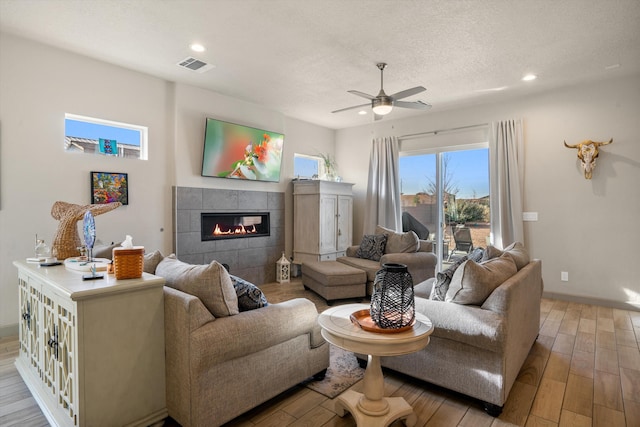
352	108
362	94
408	92
417	105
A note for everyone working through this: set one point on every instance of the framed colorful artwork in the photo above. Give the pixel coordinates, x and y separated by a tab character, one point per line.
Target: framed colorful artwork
107	187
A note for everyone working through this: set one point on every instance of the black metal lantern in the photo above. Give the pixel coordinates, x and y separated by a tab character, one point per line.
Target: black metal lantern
393	304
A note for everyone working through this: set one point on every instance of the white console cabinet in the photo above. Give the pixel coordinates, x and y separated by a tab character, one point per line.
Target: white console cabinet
92	352
323	220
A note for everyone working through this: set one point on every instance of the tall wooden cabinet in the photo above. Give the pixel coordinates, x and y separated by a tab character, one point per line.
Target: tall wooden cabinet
92	352
323	220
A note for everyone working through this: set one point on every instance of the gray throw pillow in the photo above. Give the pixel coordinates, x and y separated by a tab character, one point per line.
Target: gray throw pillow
249	295
443	279
151	261
211	283
372	247
100	250
472	283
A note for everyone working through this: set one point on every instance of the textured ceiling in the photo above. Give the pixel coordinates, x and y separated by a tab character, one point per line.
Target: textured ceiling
301	56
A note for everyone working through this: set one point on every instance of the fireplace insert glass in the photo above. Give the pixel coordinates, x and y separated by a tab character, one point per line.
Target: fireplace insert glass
227	225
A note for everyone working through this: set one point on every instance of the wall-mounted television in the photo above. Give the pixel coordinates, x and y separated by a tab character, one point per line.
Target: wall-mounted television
241	152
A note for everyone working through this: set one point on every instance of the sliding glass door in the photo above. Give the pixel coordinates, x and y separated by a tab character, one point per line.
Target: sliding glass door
445	199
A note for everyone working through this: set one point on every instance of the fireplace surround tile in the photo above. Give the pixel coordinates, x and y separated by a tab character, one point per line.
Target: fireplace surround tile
252	258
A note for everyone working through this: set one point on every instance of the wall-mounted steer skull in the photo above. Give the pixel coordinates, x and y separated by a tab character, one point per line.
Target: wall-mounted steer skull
587	153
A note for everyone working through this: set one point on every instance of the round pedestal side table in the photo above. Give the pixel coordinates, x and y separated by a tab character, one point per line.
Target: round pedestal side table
371	408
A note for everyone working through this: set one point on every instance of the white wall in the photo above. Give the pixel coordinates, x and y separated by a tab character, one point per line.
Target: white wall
39	84
588	228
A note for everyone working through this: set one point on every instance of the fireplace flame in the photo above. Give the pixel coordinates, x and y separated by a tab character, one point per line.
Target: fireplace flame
240	229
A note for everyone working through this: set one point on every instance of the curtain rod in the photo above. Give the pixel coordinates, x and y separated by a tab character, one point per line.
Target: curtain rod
435	132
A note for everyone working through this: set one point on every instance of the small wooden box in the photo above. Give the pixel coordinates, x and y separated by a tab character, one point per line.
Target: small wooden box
128	263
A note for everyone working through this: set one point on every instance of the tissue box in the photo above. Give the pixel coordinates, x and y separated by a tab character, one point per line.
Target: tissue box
128	263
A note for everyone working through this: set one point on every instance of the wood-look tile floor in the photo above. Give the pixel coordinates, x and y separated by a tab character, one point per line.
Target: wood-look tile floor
583	370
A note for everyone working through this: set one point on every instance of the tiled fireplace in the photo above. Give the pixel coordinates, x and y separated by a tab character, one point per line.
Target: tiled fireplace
251	230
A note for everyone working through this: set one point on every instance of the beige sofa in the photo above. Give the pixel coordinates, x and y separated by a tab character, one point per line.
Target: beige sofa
401	248
220	366
478	350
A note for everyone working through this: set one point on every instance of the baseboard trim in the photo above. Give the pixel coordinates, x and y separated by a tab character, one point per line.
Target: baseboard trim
8	330
593	301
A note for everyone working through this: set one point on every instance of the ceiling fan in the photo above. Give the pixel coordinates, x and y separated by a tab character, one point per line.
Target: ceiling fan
382	104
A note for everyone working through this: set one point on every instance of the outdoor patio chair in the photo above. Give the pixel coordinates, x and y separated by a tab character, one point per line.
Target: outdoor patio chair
462	238
410	223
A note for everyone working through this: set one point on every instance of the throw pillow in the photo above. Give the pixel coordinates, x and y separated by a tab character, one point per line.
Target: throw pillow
491	252
443	279
101	250
211	283
472	283
519	253
372	247
399	242
151	261
249	295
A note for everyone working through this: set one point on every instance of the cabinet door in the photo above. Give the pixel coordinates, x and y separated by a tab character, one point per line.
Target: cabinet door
328	225
345	234
49	345
29	300
59	364
66	358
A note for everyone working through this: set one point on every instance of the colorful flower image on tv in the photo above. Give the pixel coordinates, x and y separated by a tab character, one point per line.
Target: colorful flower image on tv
241	152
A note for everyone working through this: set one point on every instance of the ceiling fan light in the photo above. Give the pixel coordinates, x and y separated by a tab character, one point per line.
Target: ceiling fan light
382	110
382	106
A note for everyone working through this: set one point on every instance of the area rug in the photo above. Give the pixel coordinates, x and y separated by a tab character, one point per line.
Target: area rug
343	372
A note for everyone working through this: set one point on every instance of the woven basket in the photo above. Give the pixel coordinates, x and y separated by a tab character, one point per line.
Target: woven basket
128	263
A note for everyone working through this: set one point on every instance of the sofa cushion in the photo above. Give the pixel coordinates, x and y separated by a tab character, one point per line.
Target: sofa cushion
151	261
516	250
519	253
424	288
372	247
443	278
399	242
368	266
464	324
472	283
211	283
491	252
249	295
101	250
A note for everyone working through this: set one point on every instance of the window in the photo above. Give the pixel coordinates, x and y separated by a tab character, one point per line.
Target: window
305	166
448	187
97	136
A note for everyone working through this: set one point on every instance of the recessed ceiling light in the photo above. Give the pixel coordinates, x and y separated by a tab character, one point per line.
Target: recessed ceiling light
362	112
529	77
197	47
493	89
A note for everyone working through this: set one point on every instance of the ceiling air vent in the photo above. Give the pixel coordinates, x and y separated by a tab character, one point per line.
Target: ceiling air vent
194	64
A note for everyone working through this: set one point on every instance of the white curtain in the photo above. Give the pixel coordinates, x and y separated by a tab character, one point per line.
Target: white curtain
506	145
383	189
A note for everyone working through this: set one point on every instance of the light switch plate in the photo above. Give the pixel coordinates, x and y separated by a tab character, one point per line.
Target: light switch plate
529	216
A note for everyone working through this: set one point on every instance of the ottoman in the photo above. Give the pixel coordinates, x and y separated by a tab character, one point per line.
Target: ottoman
334	280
